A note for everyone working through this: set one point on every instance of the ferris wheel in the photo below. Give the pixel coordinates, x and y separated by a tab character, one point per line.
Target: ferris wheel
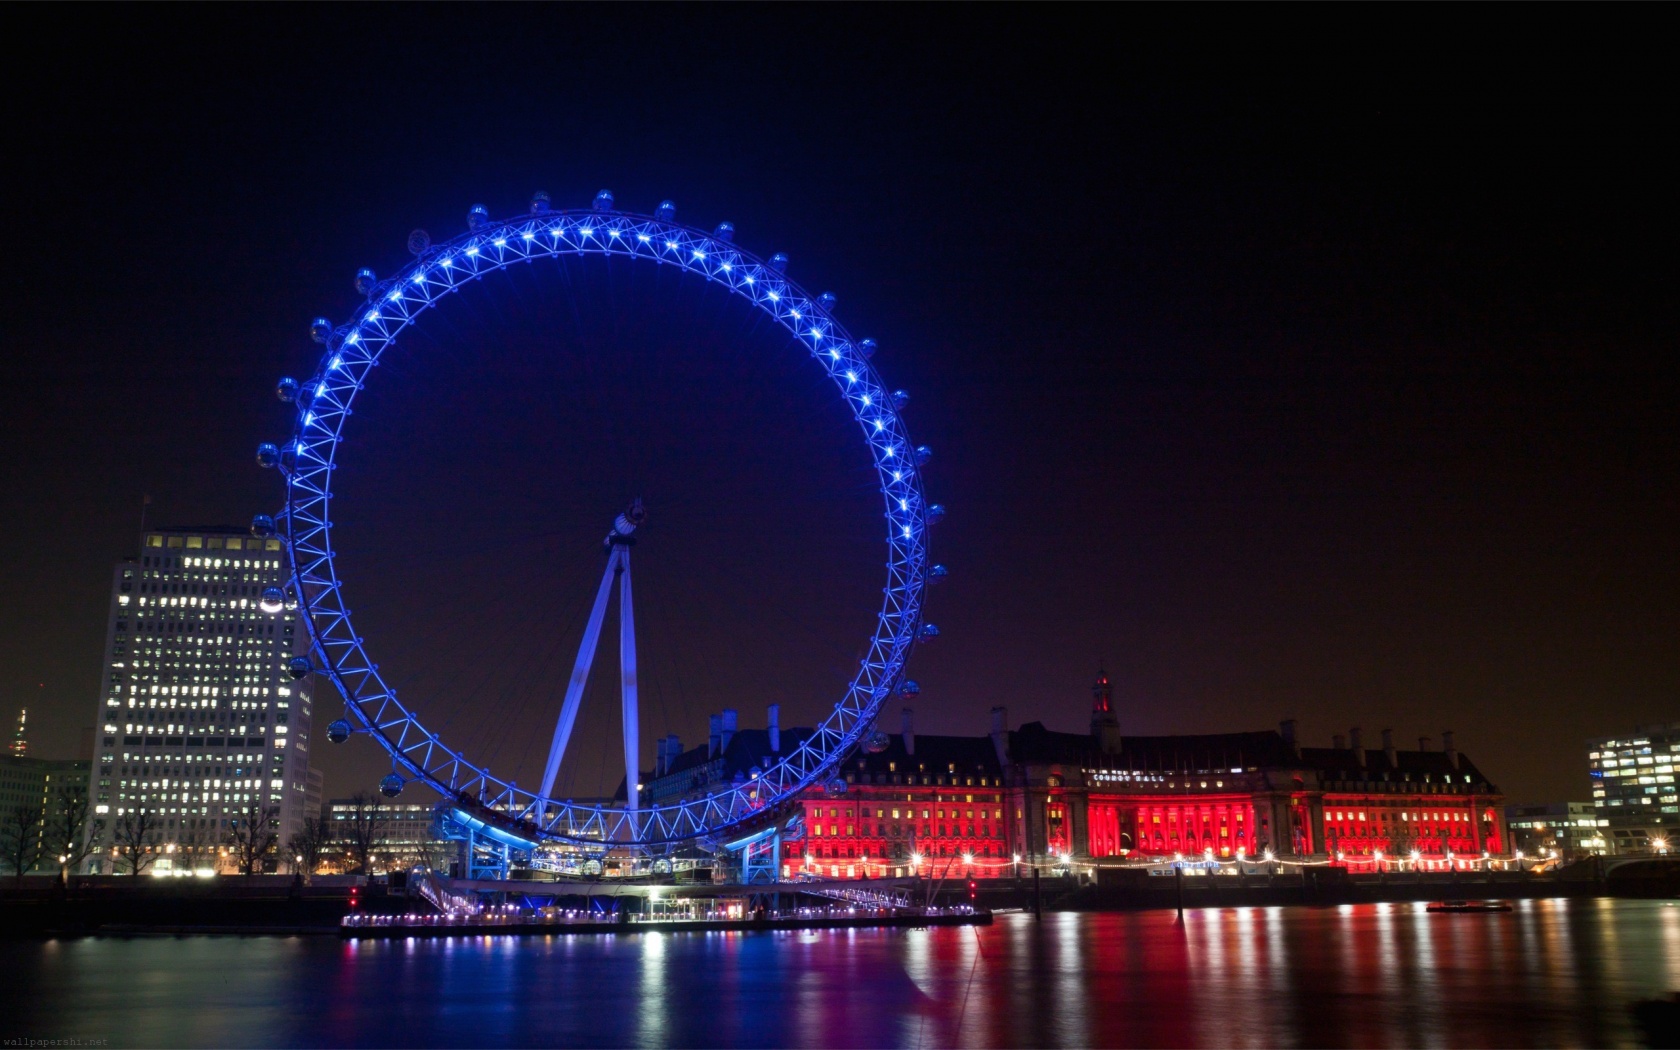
307	462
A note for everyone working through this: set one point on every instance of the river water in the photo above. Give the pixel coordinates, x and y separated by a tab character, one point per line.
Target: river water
1550	973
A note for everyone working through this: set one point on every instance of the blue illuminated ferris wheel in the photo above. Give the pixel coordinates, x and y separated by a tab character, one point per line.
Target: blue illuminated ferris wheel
527	818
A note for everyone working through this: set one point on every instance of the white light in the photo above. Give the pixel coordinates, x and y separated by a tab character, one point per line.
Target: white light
866	401
834	354
353	338
588	231
879	425
698	254
419	278
727	267
796	314
642	237
903	504
394	296
774	297
612	233
472	251
671	245
906	532
373	315
898	475
501	242
891	451
337	363
449	262
752	280
851	377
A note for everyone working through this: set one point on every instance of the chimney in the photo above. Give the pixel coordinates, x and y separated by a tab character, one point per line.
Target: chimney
1388	749
909	732
673	748
728	728
1339	742
716	734
1448	746
774	724
1357	738
1286	729
1425	743
1000	734
659	757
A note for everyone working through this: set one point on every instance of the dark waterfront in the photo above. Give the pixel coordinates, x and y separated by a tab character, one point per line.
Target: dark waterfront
1550	973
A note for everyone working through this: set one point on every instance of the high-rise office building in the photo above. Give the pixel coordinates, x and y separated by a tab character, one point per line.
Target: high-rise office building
1633	786
199	715
42	789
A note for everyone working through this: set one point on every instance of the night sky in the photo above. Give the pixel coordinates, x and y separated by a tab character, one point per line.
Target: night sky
1304	366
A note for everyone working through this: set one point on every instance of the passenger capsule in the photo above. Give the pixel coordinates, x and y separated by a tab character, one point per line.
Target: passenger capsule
666	212
262	526
938	573
778	262
391	786
268	455
418	241
540	203
923	454
876	742
835	786
900	398
365	281
909	687
286	390
272	601
935	513
725	232
339	731
828	301
298	666
478	217
320	329
867	349
603	201
928	633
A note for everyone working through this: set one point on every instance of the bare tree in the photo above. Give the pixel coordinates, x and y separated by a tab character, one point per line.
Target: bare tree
363	830
134	838
306	846
20	838
68	836
252	837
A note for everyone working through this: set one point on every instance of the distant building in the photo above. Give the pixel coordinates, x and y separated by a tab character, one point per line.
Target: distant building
1565	830
20	737
198	715
1633	787
44	785
400	833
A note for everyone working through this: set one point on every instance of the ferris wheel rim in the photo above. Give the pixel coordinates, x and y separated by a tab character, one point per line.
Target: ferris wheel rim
352	349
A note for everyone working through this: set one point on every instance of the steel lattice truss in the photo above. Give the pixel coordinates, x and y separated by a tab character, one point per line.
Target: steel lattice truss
324	406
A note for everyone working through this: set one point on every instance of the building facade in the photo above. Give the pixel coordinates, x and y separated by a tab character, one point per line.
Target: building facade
199	718
1562	831
1633	787
398	835
48	790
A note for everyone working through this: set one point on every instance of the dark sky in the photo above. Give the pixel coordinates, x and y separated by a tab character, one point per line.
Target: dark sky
1318	368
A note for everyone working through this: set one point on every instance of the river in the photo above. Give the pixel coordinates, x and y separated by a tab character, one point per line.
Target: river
1549	973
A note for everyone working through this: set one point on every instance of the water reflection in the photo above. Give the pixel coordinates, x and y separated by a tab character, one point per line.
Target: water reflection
1548	973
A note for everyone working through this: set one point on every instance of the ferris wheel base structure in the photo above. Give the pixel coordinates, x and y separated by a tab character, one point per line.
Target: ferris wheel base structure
493	807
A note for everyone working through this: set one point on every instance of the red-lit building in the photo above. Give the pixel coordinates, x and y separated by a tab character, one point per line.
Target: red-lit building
978	806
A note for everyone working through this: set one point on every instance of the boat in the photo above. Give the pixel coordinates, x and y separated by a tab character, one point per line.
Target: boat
1454	907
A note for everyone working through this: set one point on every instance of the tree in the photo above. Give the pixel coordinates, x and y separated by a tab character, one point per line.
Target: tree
252	836
363	829
134	838
69	838
306	845
20	838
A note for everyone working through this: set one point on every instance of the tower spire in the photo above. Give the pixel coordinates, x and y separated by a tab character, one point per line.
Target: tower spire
1105	726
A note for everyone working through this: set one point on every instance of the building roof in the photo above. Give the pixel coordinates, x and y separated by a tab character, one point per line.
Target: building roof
1214	752
934	755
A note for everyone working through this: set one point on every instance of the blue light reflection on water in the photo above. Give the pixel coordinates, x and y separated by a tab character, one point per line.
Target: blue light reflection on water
1550	973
